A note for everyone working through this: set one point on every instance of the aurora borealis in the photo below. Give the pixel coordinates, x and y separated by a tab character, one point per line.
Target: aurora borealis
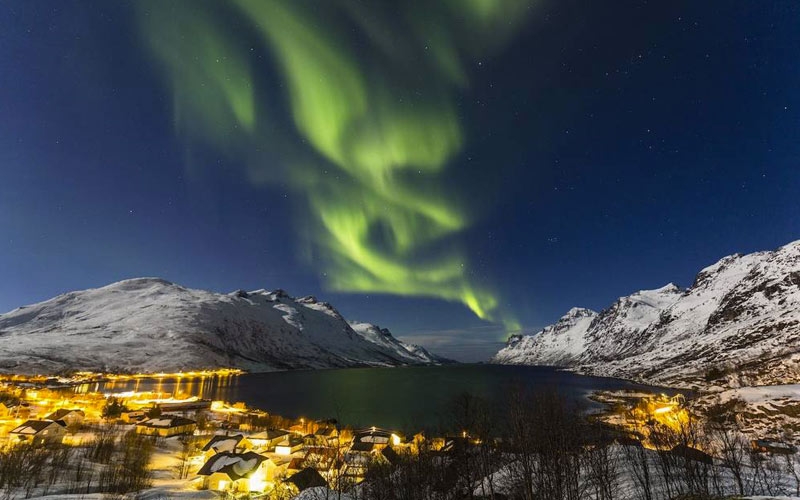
453	170
377	129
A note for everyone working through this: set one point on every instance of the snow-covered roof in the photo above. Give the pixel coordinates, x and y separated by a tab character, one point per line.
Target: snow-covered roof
235	465
32	427
223	443
166	422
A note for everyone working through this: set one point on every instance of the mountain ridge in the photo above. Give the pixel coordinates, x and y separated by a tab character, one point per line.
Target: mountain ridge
737	324
153	325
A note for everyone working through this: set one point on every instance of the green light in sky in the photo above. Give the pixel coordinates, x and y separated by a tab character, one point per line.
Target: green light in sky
378	131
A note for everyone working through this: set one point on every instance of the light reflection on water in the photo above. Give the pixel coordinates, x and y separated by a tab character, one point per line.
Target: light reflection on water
405	398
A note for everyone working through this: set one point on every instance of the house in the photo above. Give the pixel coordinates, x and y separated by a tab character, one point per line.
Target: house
307	478
166	426
361	454
322	458
379	437
268	440
326	436
70	417
194	405
238	472
767	446
133	416
278	467
39	432
357	459
693	454
289	446
219	443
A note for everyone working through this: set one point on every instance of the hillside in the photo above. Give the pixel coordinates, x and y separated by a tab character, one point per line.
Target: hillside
149	325
738	324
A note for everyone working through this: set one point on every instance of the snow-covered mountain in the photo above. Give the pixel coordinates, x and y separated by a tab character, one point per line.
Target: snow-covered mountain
150	325
738	324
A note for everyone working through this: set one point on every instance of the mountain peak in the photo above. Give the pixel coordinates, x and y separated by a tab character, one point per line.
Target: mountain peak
150	325
741	316
579	312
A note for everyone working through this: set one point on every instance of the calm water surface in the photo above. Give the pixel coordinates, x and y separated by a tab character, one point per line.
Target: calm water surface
406	398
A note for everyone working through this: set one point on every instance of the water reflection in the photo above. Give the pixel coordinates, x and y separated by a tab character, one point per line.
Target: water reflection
398	398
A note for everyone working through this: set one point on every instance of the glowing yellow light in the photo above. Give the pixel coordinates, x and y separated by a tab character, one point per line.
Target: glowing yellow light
257	480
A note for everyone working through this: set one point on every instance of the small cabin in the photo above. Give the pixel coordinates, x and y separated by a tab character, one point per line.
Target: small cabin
305	479
39	432
325	436
268	440
70	417
221	443
133	416
235	472
166	426
289	446
693	454
777	447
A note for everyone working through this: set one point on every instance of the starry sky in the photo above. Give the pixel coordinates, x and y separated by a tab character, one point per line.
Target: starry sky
453	170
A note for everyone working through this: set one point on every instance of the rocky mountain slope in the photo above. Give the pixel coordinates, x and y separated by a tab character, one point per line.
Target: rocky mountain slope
738	324
148	325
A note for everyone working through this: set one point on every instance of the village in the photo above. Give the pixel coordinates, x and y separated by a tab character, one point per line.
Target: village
193	445
207	445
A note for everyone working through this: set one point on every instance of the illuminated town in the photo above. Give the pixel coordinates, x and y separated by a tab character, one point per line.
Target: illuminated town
197	444
206	445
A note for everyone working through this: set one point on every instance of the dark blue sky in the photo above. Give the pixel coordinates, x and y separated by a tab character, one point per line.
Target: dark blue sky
606	148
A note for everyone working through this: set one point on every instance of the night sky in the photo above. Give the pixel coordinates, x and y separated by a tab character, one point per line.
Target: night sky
452	170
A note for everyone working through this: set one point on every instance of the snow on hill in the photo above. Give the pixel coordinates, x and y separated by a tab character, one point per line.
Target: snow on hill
738	324
383	337
150	325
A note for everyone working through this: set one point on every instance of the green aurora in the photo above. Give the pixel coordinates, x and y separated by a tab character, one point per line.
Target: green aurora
364	128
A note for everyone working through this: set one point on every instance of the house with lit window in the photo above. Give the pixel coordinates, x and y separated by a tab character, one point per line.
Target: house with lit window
70	417
290	445
269	439
236	472
326	436
39	432
219	443
166	426
306	479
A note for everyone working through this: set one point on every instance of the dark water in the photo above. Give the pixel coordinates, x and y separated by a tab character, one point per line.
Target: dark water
406	398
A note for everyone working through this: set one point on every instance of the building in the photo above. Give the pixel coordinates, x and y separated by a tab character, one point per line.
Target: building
767	446
289	446
326	436
379	437
693	454
268	440
324	459
166	426
70	417
132	416
307	478
39	432
235	472
222	443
